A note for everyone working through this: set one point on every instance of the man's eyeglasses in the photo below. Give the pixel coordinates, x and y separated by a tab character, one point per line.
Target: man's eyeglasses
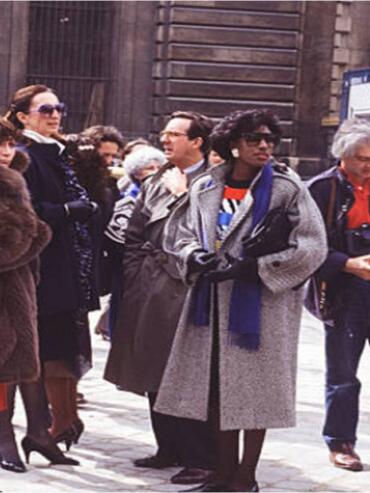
254	138
171	133
48	109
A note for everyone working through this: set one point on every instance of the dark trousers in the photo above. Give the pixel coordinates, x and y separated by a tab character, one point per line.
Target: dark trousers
344	346
187	441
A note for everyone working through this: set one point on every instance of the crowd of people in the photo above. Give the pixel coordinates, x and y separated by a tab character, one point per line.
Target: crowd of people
205	253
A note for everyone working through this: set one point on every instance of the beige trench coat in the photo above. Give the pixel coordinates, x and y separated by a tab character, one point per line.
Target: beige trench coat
153	295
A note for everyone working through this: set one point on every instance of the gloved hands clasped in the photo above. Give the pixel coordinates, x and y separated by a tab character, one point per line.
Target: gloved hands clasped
243	269
80	210
201	261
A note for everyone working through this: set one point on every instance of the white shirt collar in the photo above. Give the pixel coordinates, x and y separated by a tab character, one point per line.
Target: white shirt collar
193	167
41	139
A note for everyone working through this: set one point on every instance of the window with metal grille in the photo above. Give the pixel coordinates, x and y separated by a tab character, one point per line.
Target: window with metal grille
69	50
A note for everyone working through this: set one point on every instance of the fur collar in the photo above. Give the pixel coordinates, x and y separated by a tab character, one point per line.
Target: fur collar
20	161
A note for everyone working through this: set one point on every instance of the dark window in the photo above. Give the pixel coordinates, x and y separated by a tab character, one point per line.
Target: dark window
70	51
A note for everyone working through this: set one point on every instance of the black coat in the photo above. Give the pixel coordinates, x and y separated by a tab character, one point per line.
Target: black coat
59	288
330	272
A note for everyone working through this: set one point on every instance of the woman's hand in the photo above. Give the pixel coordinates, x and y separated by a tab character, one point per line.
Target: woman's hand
201	261
243	269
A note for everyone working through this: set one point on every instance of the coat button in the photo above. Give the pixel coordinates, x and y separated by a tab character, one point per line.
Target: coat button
276	263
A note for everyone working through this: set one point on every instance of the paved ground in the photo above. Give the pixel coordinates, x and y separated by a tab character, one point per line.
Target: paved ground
118	431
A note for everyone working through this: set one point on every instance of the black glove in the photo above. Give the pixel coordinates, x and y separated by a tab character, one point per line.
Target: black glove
80	210
244	269
270	236
201	261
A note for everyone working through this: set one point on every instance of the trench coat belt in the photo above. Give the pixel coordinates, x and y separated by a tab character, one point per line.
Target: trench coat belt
159	255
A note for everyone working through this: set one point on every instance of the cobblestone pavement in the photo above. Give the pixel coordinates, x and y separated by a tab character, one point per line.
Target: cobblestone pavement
118	430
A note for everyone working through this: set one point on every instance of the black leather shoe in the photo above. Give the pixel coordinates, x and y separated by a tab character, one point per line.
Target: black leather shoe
17	466
209	486
253	488
192	475
214	486
155	462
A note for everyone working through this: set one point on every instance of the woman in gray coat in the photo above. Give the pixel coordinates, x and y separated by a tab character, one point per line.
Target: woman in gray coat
251	237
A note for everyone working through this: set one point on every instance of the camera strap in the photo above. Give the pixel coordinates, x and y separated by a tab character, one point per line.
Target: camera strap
328	222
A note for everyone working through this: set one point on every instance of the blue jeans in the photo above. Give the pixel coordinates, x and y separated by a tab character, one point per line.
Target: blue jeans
344	345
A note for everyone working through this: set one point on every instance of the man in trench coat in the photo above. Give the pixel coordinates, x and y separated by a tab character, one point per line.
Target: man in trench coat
153	296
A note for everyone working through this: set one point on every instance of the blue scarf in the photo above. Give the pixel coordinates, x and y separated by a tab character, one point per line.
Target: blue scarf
245	304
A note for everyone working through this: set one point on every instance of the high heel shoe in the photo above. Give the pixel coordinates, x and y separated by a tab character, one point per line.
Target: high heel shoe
49	451
13	466
78	427
67	436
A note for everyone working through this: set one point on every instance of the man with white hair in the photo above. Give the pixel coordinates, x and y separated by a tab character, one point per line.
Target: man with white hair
342	284
138	165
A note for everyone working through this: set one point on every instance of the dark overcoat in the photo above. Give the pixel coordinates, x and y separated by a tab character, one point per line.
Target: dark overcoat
256	387
59	289
22	238
153	294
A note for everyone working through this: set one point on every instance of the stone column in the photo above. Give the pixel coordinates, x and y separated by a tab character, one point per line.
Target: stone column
13	48
129	105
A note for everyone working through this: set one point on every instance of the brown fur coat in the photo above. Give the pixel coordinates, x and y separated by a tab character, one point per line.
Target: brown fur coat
22	237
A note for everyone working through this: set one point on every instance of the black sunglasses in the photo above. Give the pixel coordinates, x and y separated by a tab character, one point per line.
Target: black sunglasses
256	137
48	109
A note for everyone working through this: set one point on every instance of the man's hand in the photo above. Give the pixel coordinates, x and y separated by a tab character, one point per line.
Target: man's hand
175	181
358	266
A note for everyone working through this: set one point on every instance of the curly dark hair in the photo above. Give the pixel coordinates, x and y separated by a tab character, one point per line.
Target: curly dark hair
101	133
91	171
201	126
234	125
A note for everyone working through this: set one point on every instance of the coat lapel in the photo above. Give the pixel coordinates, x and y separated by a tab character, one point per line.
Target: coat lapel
164	200
210	198
209	202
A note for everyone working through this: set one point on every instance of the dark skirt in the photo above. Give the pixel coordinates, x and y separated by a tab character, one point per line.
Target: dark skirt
65	336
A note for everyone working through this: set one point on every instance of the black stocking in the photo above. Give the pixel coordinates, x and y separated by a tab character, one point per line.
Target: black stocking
8	445
245	476
227	455
36	406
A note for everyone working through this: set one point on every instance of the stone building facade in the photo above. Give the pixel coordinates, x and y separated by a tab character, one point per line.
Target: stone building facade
132	63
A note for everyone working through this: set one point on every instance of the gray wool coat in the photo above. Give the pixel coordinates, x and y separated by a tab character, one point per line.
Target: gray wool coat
257	388
153	294
22	237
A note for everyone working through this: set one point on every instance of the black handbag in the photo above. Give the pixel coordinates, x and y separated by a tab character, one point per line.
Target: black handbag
269	236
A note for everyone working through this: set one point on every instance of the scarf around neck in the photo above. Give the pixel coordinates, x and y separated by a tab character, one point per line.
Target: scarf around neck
245	303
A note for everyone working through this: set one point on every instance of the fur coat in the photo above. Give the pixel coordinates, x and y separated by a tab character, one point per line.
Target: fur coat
22	237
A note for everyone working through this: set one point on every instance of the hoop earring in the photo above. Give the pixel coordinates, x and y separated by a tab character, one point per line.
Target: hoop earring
235	152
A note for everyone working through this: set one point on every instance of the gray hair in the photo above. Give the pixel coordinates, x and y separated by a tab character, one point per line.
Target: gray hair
349	136
140	159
